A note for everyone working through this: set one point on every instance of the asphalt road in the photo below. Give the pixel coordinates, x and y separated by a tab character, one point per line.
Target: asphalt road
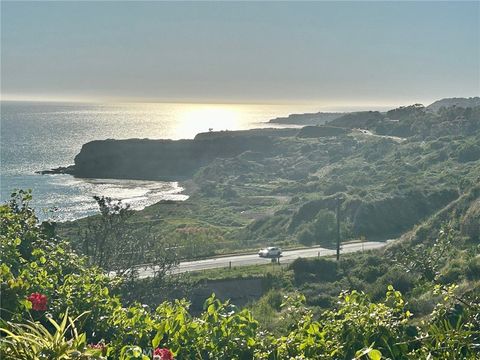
254	259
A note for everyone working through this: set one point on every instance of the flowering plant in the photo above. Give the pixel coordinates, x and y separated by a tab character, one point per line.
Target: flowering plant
100	347
39	301
162	354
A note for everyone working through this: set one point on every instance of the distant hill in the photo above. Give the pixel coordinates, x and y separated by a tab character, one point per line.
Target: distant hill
319	118
360	119
459	102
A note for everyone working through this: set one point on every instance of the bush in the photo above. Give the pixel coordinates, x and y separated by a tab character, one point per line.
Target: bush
473	268
470	223
468	152
314	270
306	237
322	230
453	271
397	277
370	273
325	227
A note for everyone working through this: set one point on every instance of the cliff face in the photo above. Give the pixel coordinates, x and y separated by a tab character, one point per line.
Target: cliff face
159	159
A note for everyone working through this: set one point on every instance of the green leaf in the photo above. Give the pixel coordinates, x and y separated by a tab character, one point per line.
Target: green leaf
136	351
374	354
156	340
27	304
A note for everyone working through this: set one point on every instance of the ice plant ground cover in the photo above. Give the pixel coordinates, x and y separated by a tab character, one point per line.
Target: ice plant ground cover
54	305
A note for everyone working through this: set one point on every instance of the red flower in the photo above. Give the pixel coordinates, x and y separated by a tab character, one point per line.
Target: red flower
39	301
99	346
162	354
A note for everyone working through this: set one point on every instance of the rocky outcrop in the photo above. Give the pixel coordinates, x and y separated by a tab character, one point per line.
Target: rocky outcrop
158	159
59	170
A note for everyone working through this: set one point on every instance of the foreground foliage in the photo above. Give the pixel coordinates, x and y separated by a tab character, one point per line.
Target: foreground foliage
42	279
32	340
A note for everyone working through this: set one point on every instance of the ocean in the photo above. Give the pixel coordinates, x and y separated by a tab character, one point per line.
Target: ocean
41	136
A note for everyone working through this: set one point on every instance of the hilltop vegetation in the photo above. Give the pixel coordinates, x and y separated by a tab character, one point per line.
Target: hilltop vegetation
458	102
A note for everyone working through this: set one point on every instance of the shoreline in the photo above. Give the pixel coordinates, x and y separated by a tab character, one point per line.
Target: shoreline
77	203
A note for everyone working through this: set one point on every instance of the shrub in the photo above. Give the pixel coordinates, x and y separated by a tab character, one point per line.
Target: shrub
306	237
397	277
320	269
370	273
468	152
470	223
473	268
453	271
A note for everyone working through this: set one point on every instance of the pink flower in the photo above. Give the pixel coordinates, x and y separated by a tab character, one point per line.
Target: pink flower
99	346
39	301
162	354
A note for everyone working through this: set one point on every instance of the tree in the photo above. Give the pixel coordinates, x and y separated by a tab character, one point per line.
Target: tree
325	227
111	242
306	237
426	260
320	231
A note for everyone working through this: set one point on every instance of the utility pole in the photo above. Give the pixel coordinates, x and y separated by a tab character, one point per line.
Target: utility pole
338	228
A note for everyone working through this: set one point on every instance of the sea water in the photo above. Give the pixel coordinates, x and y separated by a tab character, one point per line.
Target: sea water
41	136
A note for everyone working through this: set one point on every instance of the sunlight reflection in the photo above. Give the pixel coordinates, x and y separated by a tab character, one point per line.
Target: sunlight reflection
202	118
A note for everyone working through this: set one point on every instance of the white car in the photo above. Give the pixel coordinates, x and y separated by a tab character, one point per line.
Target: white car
270	252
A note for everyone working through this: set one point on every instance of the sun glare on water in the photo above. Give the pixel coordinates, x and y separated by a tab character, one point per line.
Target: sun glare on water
202	118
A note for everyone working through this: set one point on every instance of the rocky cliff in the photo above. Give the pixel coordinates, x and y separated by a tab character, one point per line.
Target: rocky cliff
159	159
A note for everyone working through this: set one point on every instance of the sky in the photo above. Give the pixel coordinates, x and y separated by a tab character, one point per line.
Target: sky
240	52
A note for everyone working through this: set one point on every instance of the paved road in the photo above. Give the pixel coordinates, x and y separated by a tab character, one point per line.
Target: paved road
254	259
369	133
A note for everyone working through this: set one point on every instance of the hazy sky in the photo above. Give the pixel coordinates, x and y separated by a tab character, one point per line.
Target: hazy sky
325	52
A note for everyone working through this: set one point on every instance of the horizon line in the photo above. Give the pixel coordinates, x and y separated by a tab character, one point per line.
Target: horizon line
320	104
